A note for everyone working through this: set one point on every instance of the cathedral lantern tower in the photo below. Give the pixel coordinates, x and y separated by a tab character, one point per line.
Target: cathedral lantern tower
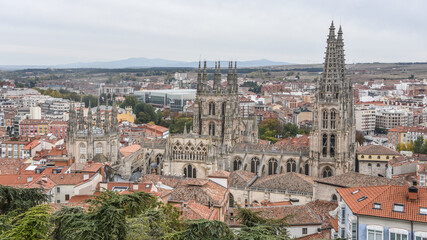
332	139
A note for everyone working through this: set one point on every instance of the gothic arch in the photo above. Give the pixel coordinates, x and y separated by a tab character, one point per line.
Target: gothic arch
325	145
332	144
99	149
190	171
211	108
211	129
237	163
272	166
325	114
307	169
255	164
291	165
333	119
327	172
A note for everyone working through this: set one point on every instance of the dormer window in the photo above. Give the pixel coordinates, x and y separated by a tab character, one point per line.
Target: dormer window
423	210
358	190
377	205
398	207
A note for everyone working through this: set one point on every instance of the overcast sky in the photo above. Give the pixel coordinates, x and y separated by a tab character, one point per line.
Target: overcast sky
56	32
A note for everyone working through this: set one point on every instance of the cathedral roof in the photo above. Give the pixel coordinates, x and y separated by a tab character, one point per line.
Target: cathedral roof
126	151
209	192
286	181
240	178
354	179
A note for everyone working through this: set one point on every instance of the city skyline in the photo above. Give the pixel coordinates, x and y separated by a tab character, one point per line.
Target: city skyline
59	32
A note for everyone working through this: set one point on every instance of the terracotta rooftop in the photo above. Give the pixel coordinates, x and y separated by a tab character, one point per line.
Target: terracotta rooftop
126	151
194	211
220	174
210	192
240	178
354	179
361	201
298	214
323	234
376	150
298	141
322	209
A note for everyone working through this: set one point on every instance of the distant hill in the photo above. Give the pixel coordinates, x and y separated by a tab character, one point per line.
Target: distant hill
146	63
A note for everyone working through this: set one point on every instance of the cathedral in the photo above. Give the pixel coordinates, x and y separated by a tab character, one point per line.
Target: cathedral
88	142
220	139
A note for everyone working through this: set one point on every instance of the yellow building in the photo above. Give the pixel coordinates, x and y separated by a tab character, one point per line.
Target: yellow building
373	159
127	116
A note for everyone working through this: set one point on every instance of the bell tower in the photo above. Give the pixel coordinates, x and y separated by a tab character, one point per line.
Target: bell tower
332	139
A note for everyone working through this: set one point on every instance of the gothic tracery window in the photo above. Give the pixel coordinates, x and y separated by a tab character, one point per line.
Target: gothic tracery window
98	149
82	147
190	171
237	163
212	129
291	166
332	146
254	164
327	172
272	166
325	145
306	169
333	119
211	108
325	119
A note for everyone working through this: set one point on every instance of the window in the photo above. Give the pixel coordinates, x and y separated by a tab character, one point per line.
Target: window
378	157
212	129
327	172
378	165
354	231
422	180
343	233
369	164
354	192
67	197
211	108
306	169
398	207
98	149
237	163
58	201
334	198
362	198
190	171
375	234
420	235
362	156
272	166
291	165
333	119
332	146
304	230
58	190
254	164
325	145
82	148
398	234
343	215
325	119
423	210
377	205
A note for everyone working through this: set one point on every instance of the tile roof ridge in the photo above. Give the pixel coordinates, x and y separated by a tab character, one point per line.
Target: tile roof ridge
314	213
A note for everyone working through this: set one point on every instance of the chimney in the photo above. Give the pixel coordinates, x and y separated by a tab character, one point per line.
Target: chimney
413	191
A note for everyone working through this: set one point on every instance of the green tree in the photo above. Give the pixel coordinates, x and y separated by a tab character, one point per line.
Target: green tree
178	123
32	224
203	229
256	227
418	144
130	101
360	138
20	199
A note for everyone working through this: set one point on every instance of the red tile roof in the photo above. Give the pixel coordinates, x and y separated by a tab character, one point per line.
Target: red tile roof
387	196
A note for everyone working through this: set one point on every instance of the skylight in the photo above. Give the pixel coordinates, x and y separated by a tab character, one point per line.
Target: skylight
362	198
398	207
377	205
358	190
423	210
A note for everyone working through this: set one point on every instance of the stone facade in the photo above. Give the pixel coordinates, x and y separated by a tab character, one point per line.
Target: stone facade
88	142
332	143
221	139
